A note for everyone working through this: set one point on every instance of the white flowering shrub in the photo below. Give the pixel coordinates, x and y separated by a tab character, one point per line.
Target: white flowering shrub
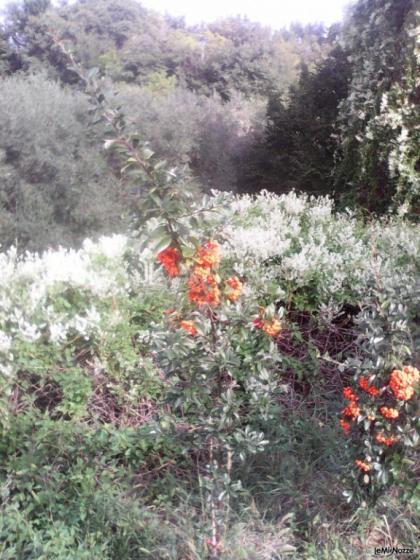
71	299
293	242
302	246
32	285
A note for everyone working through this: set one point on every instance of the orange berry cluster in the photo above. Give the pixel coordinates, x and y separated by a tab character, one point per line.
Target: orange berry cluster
390	413
349	394
345	425
400	386
362	465
234	288
388	441
203	283
170	259
189	327
272	327
351	411
203	287
370	389
402	381
208	255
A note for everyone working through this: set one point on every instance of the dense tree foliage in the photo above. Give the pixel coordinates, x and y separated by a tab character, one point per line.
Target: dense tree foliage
325	111
379	143
133	44
212	137
54	183
299	146
349	126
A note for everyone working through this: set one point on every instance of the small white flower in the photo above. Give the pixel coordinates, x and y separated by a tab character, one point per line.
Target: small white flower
28	332
58	332
5	342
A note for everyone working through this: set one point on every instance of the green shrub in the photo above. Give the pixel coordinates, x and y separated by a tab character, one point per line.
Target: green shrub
55	188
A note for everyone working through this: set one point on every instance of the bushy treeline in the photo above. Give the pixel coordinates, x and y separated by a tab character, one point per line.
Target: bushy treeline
136	45
244	108
57	185
196	94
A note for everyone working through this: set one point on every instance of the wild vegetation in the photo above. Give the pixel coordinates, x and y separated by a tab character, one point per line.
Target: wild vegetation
209	296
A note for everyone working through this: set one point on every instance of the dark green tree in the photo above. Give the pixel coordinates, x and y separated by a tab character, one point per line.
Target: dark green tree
30	34
299	144
130	43
5	55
